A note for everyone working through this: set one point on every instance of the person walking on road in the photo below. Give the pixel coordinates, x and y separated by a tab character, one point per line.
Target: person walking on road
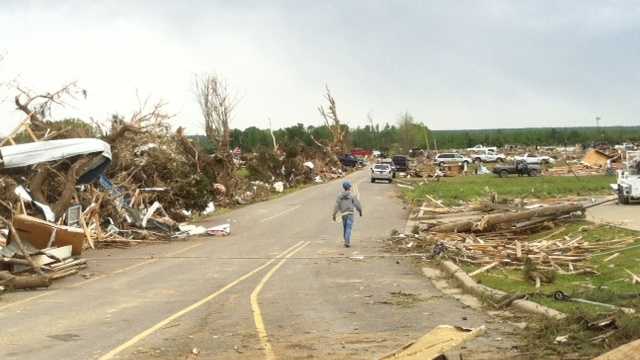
346	204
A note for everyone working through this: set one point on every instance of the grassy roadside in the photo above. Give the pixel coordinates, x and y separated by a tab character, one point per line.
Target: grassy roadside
611	284
453	191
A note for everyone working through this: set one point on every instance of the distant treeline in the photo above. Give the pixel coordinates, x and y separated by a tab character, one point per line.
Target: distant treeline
409	134
537	136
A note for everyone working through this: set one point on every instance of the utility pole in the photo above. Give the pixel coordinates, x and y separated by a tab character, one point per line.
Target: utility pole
599	129
426	137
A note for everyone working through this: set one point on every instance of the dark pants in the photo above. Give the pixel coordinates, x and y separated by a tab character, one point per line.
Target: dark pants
347	225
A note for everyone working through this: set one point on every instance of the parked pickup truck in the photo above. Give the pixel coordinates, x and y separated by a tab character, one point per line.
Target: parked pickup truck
480	147
519	168
487	156
535	159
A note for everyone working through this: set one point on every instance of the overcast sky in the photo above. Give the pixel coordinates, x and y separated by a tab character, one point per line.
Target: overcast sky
452	64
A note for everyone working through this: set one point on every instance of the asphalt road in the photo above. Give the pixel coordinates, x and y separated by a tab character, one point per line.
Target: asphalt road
622	215
241	297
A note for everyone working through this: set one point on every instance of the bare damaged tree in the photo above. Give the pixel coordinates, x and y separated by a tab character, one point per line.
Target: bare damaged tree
146	117
37	107
332	121
216	105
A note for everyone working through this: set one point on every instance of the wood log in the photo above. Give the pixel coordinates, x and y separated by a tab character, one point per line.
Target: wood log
458	226
30	282
23	282
490	221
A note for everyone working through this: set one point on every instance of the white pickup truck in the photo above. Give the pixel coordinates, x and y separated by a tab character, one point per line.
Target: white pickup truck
482	147
535	159
486	155
628	185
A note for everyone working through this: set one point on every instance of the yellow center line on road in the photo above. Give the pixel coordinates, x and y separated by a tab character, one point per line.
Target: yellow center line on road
255	307
280	213
191	307
50	292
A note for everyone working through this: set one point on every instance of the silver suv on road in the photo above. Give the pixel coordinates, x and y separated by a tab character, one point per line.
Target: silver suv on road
381	172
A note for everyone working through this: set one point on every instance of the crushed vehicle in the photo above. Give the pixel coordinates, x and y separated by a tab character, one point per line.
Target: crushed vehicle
487	155
401	163
535	159
451	158
382	172
628	185
519	168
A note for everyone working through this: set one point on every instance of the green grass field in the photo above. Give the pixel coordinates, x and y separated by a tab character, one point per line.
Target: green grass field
453	191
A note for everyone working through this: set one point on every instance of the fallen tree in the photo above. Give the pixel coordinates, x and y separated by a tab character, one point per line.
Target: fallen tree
490	222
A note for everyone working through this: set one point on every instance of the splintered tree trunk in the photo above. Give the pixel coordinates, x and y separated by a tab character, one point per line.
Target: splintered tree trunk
489	222
458	226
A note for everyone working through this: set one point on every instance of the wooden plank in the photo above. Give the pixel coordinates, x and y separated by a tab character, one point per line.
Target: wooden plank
625	352
611	257
38	232
16	131
484	268
30	132
435	343
634	278
41	260
87	233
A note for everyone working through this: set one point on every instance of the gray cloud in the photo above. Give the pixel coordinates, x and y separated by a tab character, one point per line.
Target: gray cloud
453	64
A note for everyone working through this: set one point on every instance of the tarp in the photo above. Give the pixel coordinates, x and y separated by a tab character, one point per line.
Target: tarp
32	153
15	156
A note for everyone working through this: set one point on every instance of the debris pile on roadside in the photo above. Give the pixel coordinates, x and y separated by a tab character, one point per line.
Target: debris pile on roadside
489	235
28	260
290	167
69	185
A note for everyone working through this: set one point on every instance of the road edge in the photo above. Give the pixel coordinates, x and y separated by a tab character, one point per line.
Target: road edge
482	291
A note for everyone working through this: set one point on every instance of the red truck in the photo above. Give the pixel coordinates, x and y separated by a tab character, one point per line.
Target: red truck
361	153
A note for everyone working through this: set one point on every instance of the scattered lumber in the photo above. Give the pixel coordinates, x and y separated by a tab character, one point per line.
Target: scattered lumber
511	249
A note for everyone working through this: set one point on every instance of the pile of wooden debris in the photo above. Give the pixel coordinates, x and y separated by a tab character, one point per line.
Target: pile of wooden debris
490	236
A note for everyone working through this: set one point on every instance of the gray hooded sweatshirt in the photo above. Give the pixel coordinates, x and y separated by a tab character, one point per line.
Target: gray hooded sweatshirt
346	203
